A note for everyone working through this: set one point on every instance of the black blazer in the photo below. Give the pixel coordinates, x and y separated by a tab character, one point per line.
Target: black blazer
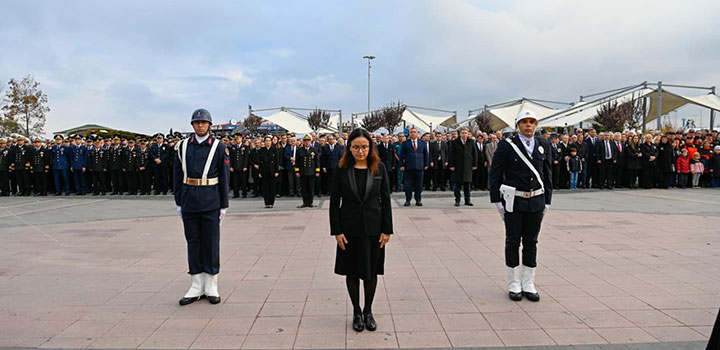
600	149
346	206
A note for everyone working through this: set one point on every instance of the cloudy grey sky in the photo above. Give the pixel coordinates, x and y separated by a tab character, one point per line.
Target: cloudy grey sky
146	65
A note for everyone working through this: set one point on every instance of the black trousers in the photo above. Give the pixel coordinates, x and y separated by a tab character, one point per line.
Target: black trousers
427	178
98	182
202	233
413	183
13	182
605	173
144	180
325	181
239	182
160	178
131	179
619	174
522	228
480	180
40	182
4	183
438	179
466	191
293	182
648	176
269	185
307	187
23	181
117	177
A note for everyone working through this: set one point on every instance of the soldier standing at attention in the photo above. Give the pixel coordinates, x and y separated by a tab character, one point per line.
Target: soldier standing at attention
160	154
130	167
61	166
115	163
239	161
4	168
200	178
40	167
307	168
78	165
143	165
97	164
521	188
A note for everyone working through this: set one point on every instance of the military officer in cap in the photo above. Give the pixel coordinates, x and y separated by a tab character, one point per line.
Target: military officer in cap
521	188
307	168
39	166
160	155
61	166
4	168
201	189
143	165
239	162
115	164
98	164
78	165
130	160
20	166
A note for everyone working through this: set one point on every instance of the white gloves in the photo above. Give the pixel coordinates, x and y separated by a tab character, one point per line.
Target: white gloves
179	210
500	210
547	207
223	211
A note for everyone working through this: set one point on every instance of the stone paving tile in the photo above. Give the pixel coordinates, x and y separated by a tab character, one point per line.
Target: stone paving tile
444	284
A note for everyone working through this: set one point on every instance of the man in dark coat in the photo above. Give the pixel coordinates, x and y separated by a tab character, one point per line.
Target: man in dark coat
480	175
387	154
331	155
414	160
307	168
463	161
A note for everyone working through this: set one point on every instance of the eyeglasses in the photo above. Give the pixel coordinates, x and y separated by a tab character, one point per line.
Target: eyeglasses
360	148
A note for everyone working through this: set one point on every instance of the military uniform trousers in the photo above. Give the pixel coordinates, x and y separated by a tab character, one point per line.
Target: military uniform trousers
80	184
98	182
131	180
40	182
118	180
62	181
144	180
239	182
307	188
522	228
4	183
268	186
202	233
160	178
23	181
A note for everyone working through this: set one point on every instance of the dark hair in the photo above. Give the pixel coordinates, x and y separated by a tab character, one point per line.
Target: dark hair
348	160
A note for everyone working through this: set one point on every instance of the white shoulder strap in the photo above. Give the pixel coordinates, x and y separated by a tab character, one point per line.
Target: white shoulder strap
527	162
182	158
209	160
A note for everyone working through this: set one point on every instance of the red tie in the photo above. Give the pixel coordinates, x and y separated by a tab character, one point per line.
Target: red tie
619	147
414	146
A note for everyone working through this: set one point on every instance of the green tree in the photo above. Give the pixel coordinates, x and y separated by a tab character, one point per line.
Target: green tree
26	104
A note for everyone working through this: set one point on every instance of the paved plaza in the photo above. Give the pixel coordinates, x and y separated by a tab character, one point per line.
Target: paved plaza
615	268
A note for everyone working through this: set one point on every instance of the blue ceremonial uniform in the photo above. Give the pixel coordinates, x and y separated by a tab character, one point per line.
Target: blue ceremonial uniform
61	168
524	222
78	162
201	204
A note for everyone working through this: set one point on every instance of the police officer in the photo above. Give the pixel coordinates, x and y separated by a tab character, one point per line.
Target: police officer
78	165
160	155
201	196
4	169
20	166
39	166
521	188
61	166
307	168
97	164
239	161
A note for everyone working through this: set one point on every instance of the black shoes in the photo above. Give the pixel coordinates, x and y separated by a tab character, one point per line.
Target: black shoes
457	203
407	204
419	204
370	324
214	300
358	324
469	204
531	296
188	301
515	296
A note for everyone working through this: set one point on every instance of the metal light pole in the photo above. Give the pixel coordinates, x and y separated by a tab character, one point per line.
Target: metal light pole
369	58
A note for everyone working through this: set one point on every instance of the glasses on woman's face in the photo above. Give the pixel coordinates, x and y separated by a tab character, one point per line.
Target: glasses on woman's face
360	148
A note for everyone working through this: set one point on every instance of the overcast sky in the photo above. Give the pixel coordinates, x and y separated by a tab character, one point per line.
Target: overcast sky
146	65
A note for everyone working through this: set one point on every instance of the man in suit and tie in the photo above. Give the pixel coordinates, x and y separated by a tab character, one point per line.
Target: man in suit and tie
414	160
437	162
387	153
592	168
480	174
290	157
618	169
330	158
606	158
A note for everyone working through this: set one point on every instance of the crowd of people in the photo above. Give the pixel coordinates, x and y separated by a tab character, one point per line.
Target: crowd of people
285	165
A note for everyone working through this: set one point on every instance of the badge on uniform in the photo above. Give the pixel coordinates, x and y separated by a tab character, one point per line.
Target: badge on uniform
541	149
227	151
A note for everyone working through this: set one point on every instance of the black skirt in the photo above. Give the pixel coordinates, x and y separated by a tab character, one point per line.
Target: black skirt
362	257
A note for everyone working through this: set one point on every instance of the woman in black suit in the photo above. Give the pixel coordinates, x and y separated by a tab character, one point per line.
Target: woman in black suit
269	159
361	221
633	156
649	162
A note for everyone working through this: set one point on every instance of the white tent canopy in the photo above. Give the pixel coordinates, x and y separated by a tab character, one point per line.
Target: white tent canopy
503	117
295	122
672	101
583	111
425	122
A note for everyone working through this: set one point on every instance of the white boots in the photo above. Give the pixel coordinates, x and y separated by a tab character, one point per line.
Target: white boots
521	282
203	285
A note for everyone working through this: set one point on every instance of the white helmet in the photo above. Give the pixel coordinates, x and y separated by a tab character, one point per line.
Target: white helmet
525	114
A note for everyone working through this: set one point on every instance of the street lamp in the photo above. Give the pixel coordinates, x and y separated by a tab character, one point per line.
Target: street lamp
369	58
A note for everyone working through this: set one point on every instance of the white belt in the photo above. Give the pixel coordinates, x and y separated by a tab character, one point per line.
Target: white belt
529	194
201	182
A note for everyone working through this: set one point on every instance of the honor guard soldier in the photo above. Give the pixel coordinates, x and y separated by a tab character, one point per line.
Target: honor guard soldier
201	195
143	165
40	166
20	166
521	188
160	155
98	163
61	166
239	162
307	168
4	169
130	160
78	165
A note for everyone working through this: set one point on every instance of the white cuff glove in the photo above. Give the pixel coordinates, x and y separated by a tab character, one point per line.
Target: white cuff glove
223	211
500	210
179	210
547	207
